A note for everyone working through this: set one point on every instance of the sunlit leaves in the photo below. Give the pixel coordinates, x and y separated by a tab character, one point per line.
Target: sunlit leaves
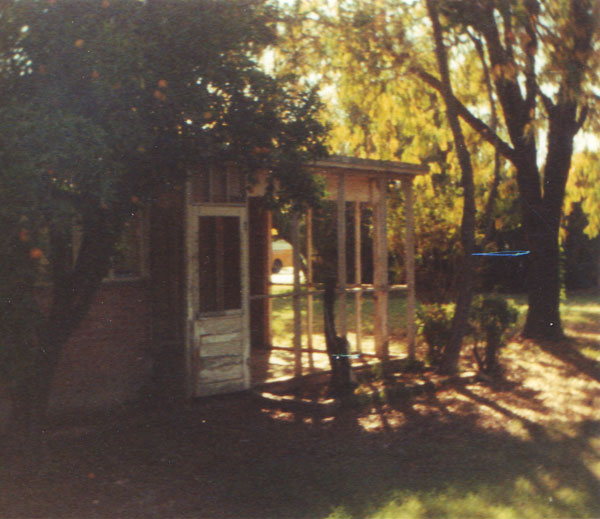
584	187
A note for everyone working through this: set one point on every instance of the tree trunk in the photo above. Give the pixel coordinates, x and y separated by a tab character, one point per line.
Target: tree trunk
338	348
542	225
72	294
450	356
543	315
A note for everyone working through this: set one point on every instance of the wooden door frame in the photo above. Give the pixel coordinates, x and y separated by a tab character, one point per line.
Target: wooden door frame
193	212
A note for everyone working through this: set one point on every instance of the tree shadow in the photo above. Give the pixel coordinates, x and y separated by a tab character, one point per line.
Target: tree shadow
239	456
567	351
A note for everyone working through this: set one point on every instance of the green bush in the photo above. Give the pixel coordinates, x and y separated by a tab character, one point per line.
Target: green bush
434	325
490	317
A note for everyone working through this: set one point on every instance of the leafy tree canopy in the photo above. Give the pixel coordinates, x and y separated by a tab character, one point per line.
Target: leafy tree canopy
116	96
105	103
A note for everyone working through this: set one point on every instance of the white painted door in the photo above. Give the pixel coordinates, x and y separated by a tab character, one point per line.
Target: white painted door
218	310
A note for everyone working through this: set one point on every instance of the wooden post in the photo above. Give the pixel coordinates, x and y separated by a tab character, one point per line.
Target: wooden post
380	274
357	277
341	255
409	246
309	287
269	287
259	225
191	283
296	295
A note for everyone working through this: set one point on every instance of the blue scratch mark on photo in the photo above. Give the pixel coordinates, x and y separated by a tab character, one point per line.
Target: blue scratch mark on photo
352	356
503	253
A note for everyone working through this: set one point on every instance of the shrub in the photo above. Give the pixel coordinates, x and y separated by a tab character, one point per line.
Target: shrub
434	325
490	317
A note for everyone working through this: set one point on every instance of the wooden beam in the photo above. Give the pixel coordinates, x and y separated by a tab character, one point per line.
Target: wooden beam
309	286
357	276
380	267
409	247
341	255
191	285
269	331
296	303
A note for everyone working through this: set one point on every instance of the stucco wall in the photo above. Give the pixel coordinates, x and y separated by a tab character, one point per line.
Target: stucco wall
108	359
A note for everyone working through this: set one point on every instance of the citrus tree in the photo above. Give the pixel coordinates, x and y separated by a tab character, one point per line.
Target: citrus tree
105	103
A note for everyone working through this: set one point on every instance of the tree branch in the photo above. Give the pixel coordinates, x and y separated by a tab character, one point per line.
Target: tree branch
531	85
466	115
583	113
548	103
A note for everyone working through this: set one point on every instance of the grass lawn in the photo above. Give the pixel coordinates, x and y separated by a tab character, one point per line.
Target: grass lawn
283	317
527	446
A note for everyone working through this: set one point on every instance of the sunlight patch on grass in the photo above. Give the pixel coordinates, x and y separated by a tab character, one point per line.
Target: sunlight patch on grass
371	423
591	352
587	308
282	323
517	429
521	499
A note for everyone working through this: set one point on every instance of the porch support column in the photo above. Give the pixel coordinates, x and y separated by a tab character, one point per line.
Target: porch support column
341	255
259	224
357	277
309	288
380	270
409	260
296	294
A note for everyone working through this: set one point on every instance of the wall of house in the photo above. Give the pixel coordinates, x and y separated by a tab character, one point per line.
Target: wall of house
108	359
130	345
167	274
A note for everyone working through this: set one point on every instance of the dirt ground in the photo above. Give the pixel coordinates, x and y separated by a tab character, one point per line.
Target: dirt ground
246	456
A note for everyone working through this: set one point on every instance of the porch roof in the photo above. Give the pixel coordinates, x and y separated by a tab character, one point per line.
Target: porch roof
370	167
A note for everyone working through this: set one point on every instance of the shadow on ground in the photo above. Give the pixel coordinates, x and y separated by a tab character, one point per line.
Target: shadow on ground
525	446
237	457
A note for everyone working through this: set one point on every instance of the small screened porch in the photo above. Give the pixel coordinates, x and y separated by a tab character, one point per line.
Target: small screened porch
286	319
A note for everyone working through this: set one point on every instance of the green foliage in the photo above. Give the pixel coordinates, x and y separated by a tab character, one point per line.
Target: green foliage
377	108
434	324
583	188
490	317
19	312
104	104
538	59
581	254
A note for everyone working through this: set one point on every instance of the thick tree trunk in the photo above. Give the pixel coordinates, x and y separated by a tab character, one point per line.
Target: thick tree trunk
541	221
543	314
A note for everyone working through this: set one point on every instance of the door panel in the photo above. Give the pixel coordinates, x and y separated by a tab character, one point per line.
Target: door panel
219	301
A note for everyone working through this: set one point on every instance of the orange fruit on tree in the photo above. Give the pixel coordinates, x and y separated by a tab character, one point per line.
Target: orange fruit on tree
161	96
36	253
162	83
24	235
